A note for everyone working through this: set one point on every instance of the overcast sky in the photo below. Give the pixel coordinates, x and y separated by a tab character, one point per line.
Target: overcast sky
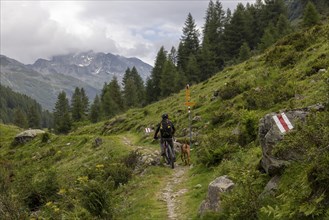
41	29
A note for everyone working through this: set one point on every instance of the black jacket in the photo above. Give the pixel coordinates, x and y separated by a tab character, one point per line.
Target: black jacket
158	129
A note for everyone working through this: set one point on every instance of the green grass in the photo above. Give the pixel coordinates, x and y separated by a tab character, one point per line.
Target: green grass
139	199
7	134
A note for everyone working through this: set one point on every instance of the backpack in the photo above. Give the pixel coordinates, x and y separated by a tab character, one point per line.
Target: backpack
166	129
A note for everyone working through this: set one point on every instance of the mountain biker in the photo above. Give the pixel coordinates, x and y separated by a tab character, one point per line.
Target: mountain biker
167	130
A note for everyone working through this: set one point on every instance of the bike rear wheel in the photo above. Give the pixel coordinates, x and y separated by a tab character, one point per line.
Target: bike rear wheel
170	156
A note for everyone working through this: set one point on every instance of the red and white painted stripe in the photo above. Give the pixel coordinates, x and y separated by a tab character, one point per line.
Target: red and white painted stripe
283	122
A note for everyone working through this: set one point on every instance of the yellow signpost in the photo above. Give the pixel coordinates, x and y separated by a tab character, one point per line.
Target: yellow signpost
187	93
189	104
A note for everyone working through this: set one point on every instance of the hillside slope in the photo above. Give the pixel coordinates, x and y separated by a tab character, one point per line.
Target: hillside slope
73	177
289	75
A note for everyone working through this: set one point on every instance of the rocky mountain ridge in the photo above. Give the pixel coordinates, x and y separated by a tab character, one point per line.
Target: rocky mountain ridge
44	79
91	67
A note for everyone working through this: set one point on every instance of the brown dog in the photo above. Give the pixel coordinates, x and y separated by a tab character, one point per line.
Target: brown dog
185	153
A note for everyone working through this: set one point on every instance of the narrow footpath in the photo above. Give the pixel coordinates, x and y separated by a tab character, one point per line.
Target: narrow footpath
171	195
174	190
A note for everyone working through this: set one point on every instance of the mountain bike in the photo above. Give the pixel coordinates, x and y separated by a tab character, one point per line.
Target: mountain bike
169	154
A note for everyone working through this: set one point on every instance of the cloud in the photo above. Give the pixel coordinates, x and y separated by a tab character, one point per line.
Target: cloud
39	29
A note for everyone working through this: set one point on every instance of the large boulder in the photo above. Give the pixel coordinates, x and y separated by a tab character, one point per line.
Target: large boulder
272	128
27	135
216	188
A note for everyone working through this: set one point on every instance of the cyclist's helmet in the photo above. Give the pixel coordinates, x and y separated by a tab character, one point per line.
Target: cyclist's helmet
164	116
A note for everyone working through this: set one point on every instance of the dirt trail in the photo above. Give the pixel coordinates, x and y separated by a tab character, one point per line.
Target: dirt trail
173	191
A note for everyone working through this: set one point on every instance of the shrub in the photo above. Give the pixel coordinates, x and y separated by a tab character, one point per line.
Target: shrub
9	206
283	56
215	148
45	137
146	112
220	117
96	199
232	89
118	173
131	159
40	189
248	129
313	67
243	201
267	96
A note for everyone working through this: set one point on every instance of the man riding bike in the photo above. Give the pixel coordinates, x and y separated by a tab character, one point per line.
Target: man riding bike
167	130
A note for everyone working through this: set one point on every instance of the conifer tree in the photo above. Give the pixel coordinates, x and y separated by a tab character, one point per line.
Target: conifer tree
244	53
133	88
76	105
207	63
130	93
20	118
47	119
172	56
192	70
111	98
85	103
34	116
310	16
170	80
189	43
153	91
269	37
211	55
62	117
236	33
126	76
228	17
104	89
149	88
79	105
138	81
109	106
116	93
255	24
283	26
272	11
95	110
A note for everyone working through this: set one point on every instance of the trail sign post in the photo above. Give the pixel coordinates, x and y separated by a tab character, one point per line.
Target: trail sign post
188	103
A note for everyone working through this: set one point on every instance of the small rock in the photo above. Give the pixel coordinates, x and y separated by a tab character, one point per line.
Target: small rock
197	186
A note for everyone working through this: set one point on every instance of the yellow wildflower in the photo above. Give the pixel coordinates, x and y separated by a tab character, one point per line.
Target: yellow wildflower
61	192
100	166
83	179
